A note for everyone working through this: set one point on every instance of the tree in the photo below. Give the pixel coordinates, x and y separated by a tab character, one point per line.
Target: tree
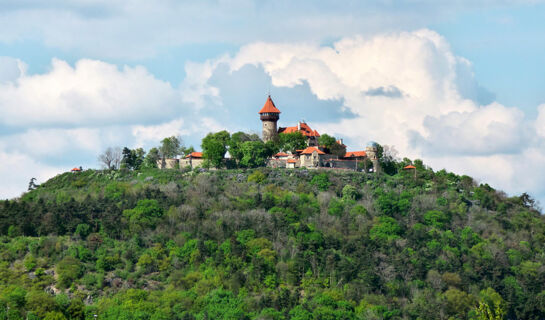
365	165
214	147
68	270
458	302
254	154
236	141
327	141
188	150
139	156
385	229
491	305
171	147
144	215
150	161
222	304
271	148
32	184
321	181
350	193
387	158
332	145
292	141
132	159
338	149
111	158
127	158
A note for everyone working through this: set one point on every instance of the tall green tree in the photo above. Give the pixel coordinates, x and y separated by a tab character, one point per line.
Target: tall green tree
254	154
171	147
292	141
132	158
236	141
327	140
214	147
330	143
387	158
150	161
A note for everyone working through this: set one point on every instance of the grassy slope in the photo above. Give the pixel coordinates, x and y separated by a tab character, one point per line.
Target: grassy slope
269	244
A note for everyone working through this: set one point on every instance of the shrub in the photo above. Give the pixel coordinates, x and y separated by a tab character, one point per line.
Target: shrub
68	269
336	207
257	177
350	193
385	229
436	218
321	181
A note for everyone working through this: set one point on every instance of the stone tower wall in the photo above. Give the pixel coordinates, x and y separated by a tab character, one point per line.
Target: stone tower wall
372	155
269	130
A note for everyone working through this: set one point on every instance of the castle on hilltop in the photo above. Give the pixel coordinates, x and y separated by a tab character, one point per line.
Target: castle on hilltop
312	156
270	115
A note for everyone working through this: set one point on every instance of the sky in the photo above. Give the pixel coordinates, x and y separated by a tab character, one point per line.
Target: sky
458	84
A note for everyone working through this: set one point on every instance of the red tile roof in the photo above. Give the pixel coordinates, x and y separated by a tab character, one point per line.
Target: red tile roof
292	161
281	154
310	150
76	169
269	107
355	154
409	167
194	155
303	128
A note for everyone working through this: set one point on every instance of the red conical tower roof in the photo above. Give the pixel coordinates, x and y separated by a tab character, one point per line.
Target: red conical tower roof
269	107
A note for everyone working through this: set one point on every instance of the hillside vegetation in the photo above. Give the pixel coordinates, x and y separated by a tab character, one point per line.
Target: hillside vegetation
270	244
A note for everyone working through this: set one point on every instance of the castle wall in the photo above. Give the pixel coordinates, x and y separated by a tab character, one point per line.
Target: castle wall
167	163
276	163
193	163
344	164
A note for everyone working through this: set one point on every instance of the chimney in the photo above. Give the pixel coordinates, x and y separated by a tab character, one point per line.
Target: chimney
299	126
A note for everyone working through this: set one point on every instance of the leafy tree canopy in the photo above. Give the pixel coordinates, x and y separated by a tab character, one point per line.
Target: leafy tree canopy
214	147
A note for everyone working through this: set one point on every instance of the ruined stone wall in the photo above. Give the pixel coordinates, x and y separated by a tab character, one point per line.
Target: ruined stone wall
193	163
276	163
167	163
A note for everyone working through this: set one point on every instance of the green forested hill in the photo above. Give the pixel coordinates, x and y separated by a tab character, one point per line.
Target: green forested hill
270	244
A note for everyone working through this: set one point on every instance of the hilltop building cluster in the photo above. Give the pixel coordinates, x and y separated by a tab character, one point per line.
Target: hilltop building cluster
313	156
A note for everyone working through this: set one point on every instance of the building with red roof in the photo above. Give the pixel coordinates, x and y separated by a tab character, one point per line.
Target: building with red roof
302	127
312	157
291	163
269	116
269	108
281	155
355	154
311	150
194	155
192	160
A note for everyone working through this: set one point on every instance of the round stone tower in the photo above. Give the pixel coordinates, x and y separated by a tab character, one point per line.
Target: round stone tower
269	115
371	150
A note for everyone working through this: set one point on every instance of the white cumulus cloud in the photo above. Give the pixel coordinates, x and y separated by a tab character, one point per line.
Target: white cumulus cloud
91	92
408	89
